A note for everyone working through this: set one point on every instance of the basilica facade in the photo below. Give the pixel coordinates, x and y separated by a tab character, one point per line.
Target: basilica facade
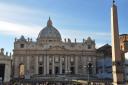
49	55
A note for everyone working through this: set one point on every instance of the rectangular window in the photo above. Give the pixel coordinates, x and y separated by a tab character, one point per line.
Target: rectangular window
50	40
21	45
56	59
89	46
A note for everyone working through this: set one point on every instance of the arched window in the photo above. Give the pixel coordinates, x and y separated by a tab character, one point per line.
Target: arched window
21	70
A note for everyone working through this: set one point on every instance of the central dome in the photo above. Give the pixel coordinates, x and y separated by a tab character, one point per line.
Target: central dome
49	33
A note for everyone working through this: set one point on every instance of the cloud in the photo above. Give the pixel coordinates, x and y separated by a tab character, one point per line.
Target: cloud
18	13
20	10
23	14
8	28
14	21
79	35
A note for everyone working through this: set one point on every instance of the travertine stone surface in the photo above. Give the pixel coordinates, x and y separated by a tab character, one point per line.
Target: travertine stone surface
116	53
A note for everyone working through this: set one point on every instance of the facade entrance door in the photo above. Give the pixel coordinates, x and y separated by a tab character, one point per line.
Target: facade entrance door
2	71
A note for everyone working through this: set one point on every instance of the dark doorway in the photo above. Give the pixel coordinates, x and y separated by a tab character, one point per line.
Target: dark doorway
63	71
50	71
40	70
56	70
2	71
72	70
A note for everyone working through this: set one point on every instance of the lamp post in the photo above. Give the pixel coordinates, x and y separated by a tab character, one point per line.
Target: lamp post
89	70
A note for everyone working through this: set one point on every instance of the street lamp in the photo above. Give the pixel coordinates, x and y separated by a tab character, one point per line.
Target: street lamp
89	69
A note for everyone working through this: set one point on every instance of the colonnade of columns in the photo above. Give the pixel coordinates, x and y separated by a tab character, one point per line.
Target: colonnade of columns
46	64
49	64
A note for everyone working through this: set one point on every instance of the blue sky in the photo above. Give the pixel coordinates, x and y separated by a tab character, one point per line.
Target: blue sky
73	18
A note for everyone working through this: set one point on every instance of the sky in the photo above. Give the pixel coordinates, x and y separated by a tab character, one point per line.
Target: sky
73	18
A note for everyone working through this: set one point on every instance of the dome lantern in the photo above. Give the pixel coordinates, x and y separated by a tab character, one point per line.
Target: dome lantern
49	33
49	23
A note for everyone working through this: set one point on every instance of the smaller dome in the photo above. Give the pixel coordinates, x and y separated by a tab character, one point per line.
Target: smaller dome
22	38
89	39
49	32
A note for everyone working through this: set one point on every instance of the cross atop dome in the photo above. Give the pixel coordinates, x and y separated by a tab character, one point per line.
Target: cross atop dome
113	1
49	23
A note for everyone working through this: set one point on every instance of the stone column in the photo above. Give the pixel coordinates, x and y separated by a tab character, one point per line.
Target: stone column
27	65
37	66
47	64
7	72
66	64
85	64
60	66
94	65
69	64
53	65
16	67
28	62
44	65
76	64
